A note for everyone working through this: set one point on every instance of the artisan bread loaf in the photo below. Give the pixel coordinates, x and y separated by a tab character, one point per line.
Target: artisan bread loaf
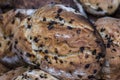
61	42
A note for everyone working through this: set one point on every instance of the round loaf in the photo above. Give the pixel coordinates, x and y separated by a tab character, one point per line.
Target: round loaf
100	7
61	42
109	28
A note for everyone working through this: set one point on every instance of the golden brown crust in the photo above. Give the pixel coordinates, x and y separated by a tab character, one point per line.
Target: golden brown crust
61	42
100	7
109	28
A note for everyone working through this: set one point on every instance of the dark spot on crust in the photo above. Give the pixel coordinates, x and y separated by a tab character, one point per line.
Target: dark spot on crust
46	58
102	29
29	19
86	56
78	31
35	39
79	76
57	16
46	51
29	55
87	66
82	49
106	36
50	27
49	62
69	27
56	51
0	44
13	21
41	45
4	37
36	79
97	4
94	71
44	19
71	21
99	9
30	37
71	63
91	77
11	35
59	10
21	53
8	43
55	57
61	61
70	71
94	52
16	42
60	18
110	7
100	55
114	50
29	26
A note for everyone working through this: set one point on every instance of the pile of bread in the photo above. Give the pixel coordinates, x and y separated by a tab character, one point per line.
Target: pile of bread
59	41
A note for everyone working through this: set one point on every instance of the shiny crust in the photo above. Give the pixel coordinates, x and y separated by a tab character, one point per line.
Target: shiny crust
100	7
35	75
109	28
61	43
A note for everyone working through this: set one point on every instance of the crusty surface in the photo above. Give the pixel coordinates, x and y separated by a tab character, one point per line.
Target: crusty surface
13	73
61	43
109	28
100	7
35	75
8	23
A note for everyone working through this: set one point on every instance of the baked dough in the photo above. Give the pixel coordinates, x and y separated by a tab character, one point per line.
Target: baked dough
100	7
10	75
61	42
35	75
109	28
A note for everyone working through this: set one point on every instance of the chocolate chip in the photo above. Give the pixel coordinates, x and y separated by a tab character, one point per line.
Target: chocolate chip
46	51
94	71
55	57
94	52
0	44
29	19
50	27
71	63
82	49
87	66
71	21
59	10
102	29
44	19
35	39
99	9
91	77
80	76
29	26
69	27
61	61
28	54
